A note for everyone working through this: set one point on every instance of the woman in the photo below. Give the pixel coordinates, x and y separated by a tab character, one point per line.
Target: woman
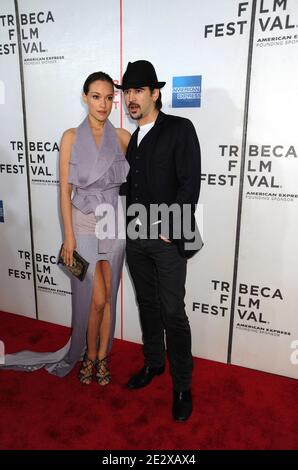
92	168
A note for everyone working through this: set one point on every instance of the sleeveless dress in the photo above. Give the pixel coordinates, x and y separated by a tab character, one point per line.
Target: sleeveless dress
96	173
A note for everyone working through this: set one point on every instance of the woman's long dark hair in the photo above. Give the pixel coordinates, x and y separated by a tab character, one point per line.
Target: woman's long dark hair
104	77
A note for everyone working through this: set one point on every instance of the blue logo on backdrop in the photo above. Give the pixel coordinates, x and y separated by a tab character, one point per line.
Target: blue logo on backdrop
187	92
1	212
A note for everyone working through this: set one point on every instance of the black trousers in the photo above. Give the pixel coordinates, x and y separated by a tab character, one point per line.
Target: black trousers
159	273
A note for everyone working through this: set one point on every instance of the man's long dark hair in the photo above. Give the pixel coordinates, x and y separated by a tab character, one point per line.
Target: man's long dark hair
158	103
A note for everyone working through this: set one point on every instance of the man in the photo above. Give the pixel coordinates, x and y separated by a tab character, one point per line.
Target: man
164	158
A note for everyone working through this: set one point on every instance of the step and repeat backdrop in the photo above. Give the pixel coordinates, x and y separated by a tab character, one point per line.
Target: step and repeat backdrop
231	67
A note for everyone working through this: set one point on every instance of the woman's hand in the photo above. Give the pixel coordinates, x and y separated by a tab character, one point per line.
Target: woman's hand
69	246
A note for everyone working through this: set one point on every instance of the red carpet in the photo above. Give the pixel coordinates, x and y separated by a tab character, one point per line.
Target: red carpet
235	408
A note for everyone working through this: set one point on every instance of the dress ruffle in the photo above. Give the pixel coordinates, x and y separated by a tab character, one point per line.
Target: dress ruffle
96	172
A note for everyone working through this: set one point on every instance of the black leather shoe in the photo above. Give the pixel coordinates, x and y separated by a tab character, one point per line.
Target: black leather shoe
144	377
182	405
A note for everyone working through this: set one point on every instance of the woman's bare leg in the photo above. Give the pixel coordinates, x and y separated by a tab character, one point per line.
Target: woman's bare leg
97	306
105	326
99	324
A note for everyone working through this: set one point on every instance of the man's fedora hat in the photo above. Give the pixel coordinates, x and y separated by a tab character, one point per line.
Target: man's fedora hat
138	74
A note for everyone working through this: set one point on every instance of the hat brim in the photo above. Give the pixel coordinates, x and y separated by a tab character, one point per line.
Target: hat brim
126	86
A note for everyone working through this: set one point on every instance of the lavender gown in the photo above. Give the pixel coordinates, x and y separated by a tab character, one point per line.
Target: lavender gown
96	174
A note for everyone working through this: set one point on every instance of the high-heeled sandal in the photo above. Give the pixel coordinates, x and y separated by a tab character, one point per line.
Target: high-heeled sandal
85	374
103	375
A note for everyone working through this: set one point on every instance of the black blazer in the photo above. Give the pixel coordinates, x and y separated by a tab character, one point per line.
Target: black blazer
173	167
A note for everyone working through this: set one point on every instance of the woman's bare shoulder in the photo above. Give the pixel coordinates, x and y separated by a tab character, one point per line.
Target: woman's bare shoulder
123	137
123	132
69	134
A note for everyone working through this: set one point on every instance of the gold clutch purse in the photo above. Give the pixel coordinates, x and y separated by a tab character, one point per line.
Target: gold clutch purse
79	266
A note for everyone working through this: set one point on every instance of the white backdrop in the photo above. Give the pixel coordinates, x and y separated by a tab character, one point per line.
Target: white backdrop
17	288
246	56
266	321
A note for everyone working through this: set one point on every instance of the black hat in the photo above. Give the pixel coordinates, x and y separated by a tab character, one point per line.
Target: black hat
138	74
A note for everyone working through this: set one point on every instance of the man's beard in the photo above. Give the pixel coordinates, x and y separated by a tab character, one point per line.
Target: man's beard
137	112
136	117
